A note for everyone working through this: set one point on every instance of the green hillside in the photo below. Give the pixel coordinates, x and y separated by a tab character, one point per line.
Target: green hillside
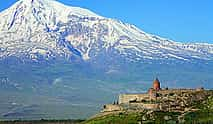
202	114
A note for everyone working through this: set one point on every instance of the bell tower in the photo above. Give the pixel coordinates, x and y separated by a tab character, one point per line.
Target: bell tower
156	84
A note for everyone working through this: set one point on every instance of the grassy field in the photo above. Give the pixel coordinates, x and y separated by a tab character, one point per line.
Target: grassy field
133	118
203	115
43	122
199	117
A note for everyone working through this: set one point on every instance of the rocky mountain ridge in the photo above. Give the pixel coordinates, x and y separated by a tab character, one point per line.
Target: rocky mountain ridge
46	30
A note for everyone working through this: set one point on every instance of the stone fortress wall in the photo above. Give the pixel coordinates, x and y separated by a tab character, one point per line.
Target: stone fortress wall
111	107
127	98
151	99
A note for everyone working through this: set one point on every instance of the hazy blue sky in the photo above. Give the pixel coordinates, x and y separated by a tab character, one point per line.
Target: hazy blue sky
180	20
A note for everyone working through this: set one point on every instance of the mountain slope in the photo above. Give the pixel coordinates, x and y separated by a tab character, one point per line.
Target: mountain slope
65	62
45	30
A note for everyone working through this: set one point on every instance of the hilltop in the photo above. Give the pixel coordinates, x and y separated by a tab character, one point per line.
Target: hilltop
159	106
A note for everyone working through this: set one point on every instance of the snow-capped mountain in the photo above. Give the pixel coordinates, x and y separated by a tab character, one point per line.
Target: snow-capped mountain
88	60
46	29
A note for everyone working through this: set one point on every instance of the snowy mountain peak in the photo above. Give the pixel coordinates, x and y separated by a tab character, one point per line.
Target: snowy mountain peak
46	30
54	6
43	11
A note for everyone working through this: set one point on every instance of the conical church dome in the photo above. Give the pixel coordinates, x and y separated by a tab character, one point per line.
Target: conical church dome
156	84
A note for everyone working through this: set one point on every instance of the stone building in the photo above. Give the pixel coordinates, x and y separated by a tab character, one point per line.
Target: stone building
157	98
150	95
156	84
111	107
